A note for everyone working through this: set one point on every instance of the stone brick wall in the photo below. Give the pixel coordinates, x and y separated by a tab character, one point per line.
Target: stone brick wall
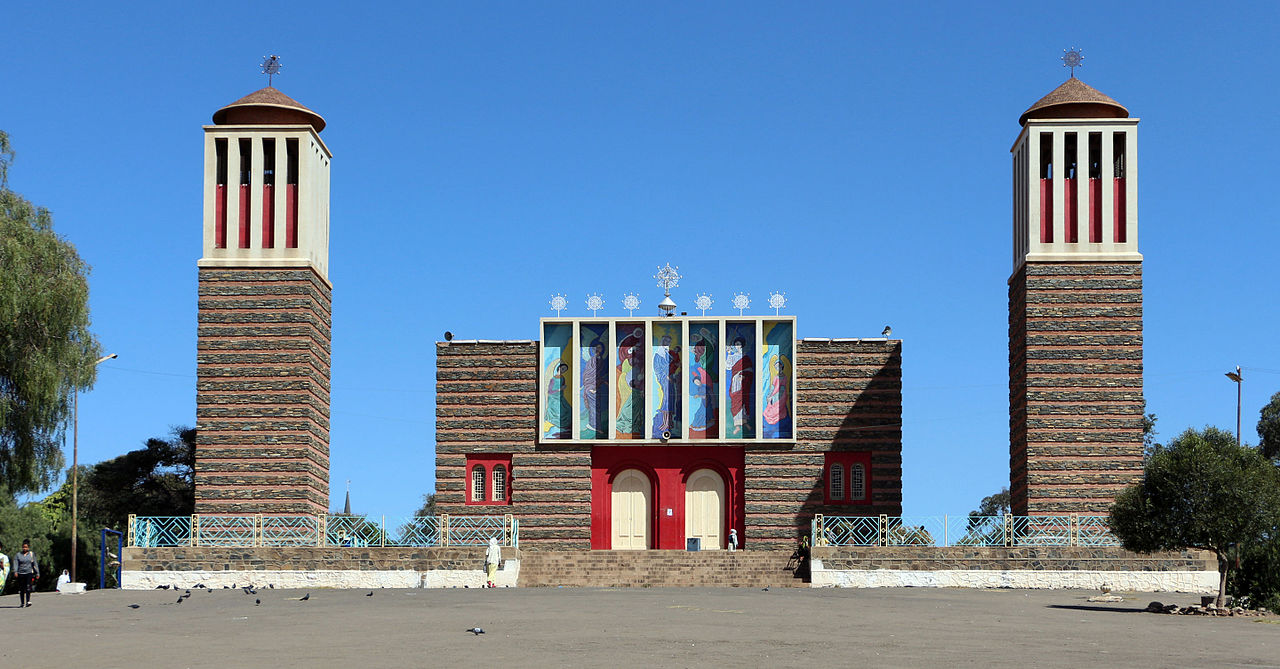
262	394
1038	558
1075	385
303	558
849	398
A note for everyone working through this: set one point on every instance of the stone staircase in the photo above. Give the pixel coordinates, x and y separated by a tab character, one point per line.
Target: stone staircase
657	569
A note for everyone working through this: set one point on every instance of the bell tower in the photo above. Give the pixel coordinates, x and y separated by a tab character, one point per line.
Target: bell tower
1075	305
262	393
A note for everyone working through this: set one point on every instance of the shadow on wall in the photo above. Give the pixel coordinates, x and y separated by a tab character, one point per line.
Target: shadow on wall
869	432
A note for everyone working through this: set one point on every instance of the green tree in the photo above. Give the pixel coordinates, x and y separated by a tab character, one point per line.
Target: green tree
1269	428
46	349
1201	491
428	506
155	480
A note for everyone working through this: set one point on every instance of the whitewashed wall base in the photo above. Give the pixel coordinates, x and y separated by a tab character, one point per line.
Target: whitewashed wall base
324	578
1204	582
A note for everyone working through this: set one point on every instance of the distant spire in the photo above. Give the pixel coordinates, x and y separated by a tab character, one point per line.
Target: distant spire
346	507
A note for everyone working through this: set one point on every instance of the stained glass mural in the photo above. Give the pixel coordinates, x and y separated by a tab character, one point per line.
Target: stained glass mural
557	396
776	358
666	371
593	354
629	381
704	381
740	374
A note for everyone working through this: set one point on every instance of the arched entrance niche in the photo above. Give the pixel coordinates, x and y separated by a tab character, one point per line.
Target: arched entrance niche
705	502
631	510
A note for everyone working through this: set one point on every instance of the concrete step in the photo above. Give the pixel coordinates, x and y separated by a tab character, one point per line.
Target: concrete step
656	569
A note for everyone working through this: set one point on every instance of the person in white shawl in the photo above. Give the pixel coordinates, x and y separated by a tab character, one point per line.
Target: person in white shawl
492	557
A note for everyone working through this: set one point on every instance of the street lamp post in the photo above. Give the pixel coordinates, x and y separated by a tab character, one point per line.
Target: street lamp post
75	467
1238	377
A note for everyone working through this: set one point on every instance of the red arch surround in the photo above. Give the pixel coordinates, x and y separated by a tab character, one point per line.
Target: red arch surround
668	469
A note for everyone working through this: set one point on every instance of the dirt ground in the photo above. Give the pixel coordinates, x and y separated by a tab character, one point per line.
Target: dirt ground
634	627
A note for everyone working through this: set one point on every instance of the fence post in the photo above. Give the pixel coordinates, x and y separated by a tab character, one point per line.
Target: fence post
882	538
133	518
257	529
195	530
1008	530
946	531
321	528
506	529
444	529
816	535
1073	531
382	536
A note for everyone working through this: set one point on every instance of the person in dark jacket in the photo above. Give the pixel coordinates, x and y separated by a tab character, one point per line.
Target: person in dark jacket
25	570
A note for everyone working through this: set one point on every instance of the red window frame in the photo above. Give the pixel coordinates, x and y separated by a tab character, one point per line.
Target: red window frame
847	460
489	461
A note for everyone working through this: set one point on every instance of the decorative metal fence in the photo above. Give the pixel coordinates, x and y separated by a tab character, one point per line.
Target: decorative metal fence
964	530
324	530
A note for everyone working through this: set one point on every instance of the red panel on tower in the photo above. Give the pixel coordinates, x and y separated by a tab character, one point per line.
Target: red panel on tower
1095	211
1120	211
291	216
1046	211
268	216
1069	211
220	218
244	216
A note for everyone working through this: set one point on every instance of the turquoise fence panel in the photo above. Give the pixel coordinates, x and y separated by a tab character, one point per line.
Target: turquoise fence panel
161	531
1094	531
1040	530
915	531
290	530
976	531
358	531
475	530
851	530
226	531
414	531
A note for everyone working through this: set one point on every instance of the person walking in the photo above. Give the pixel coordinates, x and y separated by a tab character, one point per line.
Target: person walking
27	570
733	539
4	568
492	557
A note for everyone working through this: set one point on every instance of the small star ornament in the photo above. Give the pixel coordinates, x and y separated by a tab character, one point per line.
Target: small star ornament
558	303
777	300
595	303
703	302
631	302
741	301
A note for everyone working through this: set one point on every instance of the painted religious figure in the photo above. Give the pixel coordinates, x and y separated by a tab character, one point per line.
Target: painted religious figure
666	372
629	373
704	389
778	421
741	380
595	363
557	403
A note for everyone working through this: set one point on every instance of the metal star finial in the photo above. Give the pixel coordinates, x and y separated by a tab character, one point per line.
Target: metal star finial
631	302
741	301
270	67
777	300
668	277
559	303
595	302
703	302
1072	58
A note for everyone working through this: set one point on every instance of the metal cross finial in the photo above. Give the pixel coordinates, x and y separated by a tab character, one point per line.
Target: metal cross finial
270	67
1072	58
558	303
703	302
777	300
595	302
631	302
741	301
668	277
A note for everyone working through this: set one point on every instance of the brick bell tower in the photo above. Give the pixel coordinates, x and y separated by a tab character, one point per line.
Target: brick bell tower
262	394
1075	305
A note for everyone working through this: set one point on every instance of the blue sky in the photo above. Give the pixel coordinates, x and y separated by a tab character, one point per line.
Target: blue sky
486	155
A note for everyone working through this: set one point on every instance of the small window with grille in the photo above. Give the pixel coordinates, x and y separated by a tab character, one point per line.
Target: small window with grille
477	483
857	483
499	483
835	489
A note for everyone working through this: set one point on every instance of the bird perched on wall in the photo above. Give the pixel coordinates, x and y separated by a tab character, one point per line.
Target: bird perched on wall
887	331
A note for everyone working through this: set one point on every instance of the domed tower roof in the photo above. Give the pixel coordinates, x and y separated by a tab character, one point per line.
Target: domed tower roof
1074	99
266	107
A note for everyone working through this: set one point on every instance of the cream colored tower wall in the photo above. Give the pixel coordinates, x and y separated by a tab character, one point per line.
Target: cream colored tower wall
313	199
1026	191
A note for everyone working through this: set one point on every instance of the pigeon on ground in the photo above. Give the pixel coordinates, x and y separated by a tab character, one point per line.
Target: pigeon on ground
179	600
765	589
226	587
188	593
370	594
135	606
257	602
305	597
162	587
271	585
475	630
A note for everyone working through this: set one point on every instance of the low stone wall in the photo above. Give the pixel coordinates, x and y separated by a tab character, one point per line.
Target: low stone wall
313	567
1026	567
